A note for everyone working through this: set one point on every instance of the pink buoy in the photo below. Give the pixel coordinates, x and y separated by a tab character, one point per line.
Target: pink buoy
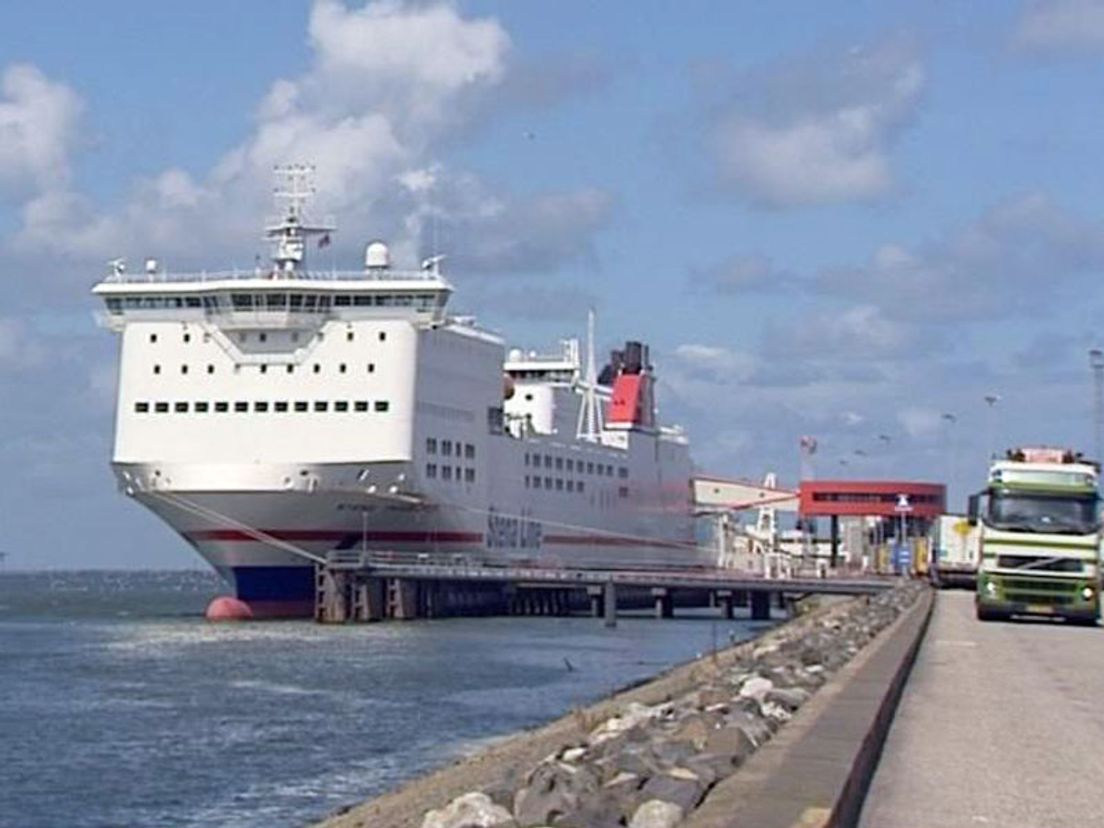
225	608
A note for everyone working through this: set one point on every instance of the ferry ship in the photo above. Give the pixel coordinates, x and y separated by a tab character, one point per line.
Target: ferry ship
274	415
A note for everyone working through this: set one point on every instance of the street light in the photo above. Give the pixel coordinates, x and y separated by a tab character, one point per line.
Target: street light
1096	362
991	400
950	420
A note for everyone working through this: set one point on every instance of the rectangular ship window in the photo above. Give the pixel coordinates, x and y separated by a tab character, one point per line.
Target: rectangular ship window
222	407
623	491
361	405
469	451
321	405
382	405
579	487
181	408
571	485
446	448
201	407
559	464
161	407
341	405
536	482
548	461
431	445
431	470
559	484
570	465
590	467
623	473
301	405
241	407
141	408
260	407
446	472
280	406
526	459
469	475
548	482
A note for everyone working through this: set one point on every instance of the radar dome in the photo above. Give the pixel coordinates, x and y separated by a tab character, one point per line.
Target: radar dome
377	256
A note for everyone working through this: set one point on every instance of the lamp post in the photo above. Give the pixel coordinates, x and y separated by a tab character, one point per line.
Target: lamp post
1096	362
950	420
991	401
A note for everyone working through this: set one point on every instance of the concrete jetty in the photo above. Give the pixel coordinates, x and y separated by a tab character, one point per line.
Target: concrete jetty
1000	724
674	748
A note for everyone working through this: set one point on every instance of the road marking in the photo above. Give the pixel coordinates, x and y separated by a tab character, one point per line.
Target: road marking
955	642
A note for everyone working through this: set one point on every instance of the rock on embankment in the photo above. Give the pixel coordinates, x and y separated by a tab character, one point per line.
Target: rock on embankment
650	765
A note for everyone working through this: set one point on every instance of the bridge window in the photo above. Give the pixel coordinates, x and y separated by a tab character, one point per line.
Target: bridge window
281	406
161	407
342	301
361	405
222	407
301	405
260	407
181	408
241	407
141	408
201	407
321	405
341	405
382	405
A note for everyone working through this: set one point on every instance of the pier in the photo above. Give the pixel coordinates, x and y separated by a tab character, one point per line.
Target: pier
362	587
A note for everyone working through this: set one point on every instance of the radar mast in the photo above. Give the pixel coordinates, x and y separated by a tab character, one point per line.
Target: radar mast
291	231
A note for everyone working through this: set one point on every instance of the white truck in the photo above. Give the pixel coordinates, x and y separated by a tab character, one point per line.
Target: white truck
955	551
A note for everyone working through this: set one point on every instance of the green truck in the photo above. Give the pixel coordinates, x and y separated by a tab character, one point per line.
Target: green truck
1040	536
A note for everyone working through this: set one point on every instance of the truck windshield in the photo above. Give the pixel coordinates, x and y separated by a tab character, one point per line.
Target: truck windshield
1042	513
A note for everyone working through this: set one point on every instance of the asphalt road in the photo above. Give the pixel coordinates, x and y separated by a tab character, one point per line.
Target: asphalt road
1001	724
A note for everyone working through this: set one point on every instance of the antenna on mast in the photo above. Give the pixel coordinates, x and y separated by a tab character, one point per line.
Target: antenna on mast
590	414
291	231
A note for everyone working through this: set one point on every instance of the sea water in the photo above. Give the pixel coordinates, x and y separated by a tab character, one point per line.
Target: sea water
121	706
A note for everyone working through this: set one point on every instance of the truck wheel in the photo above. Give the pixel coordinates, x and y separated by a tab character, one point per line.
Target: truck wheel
984	614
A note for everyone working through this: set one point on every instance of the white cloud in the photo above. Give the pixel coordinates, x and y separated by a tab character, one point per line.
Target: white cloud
390	84
38	120
861	332
1017	257
818	130
919	423
1060	26
746	273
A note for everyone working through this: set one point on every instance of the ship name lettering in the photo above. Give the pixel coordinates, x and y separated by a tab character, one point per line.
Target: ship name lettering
513	531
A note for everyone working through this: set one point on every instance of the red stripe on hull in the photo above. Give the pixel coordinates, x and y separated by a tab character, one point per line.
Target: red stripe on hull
237	535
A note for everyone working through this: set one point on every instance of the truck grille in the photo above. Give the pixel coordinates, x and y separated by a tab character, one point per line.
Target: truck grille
1038	590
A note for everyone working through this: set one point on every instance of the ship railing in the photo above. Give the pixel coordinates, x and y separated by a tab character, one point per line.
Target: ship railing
235	274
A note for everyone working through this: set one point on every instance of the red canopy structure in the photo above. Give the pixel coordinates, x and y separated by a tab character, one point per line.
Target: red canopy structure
876	498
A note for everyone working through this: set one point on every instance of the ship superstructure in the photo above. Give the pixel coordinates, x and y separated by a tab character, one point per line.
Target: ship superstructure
271	416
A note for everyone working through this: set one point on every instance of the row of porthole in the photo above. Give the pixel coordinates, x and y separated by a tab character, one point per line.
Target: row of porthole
576	465
260	406
263	337
342	368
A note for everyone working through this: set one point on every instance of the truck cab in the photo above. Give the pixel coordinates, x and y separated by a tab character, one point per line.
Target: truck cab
1040	536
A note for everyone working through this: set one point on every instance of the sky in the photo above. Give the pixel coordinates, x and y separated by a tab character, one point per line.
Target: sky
852	221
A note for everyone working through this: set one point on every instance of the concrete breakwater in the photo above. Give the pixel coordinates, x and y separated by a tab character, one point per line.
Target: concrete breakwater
646	758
